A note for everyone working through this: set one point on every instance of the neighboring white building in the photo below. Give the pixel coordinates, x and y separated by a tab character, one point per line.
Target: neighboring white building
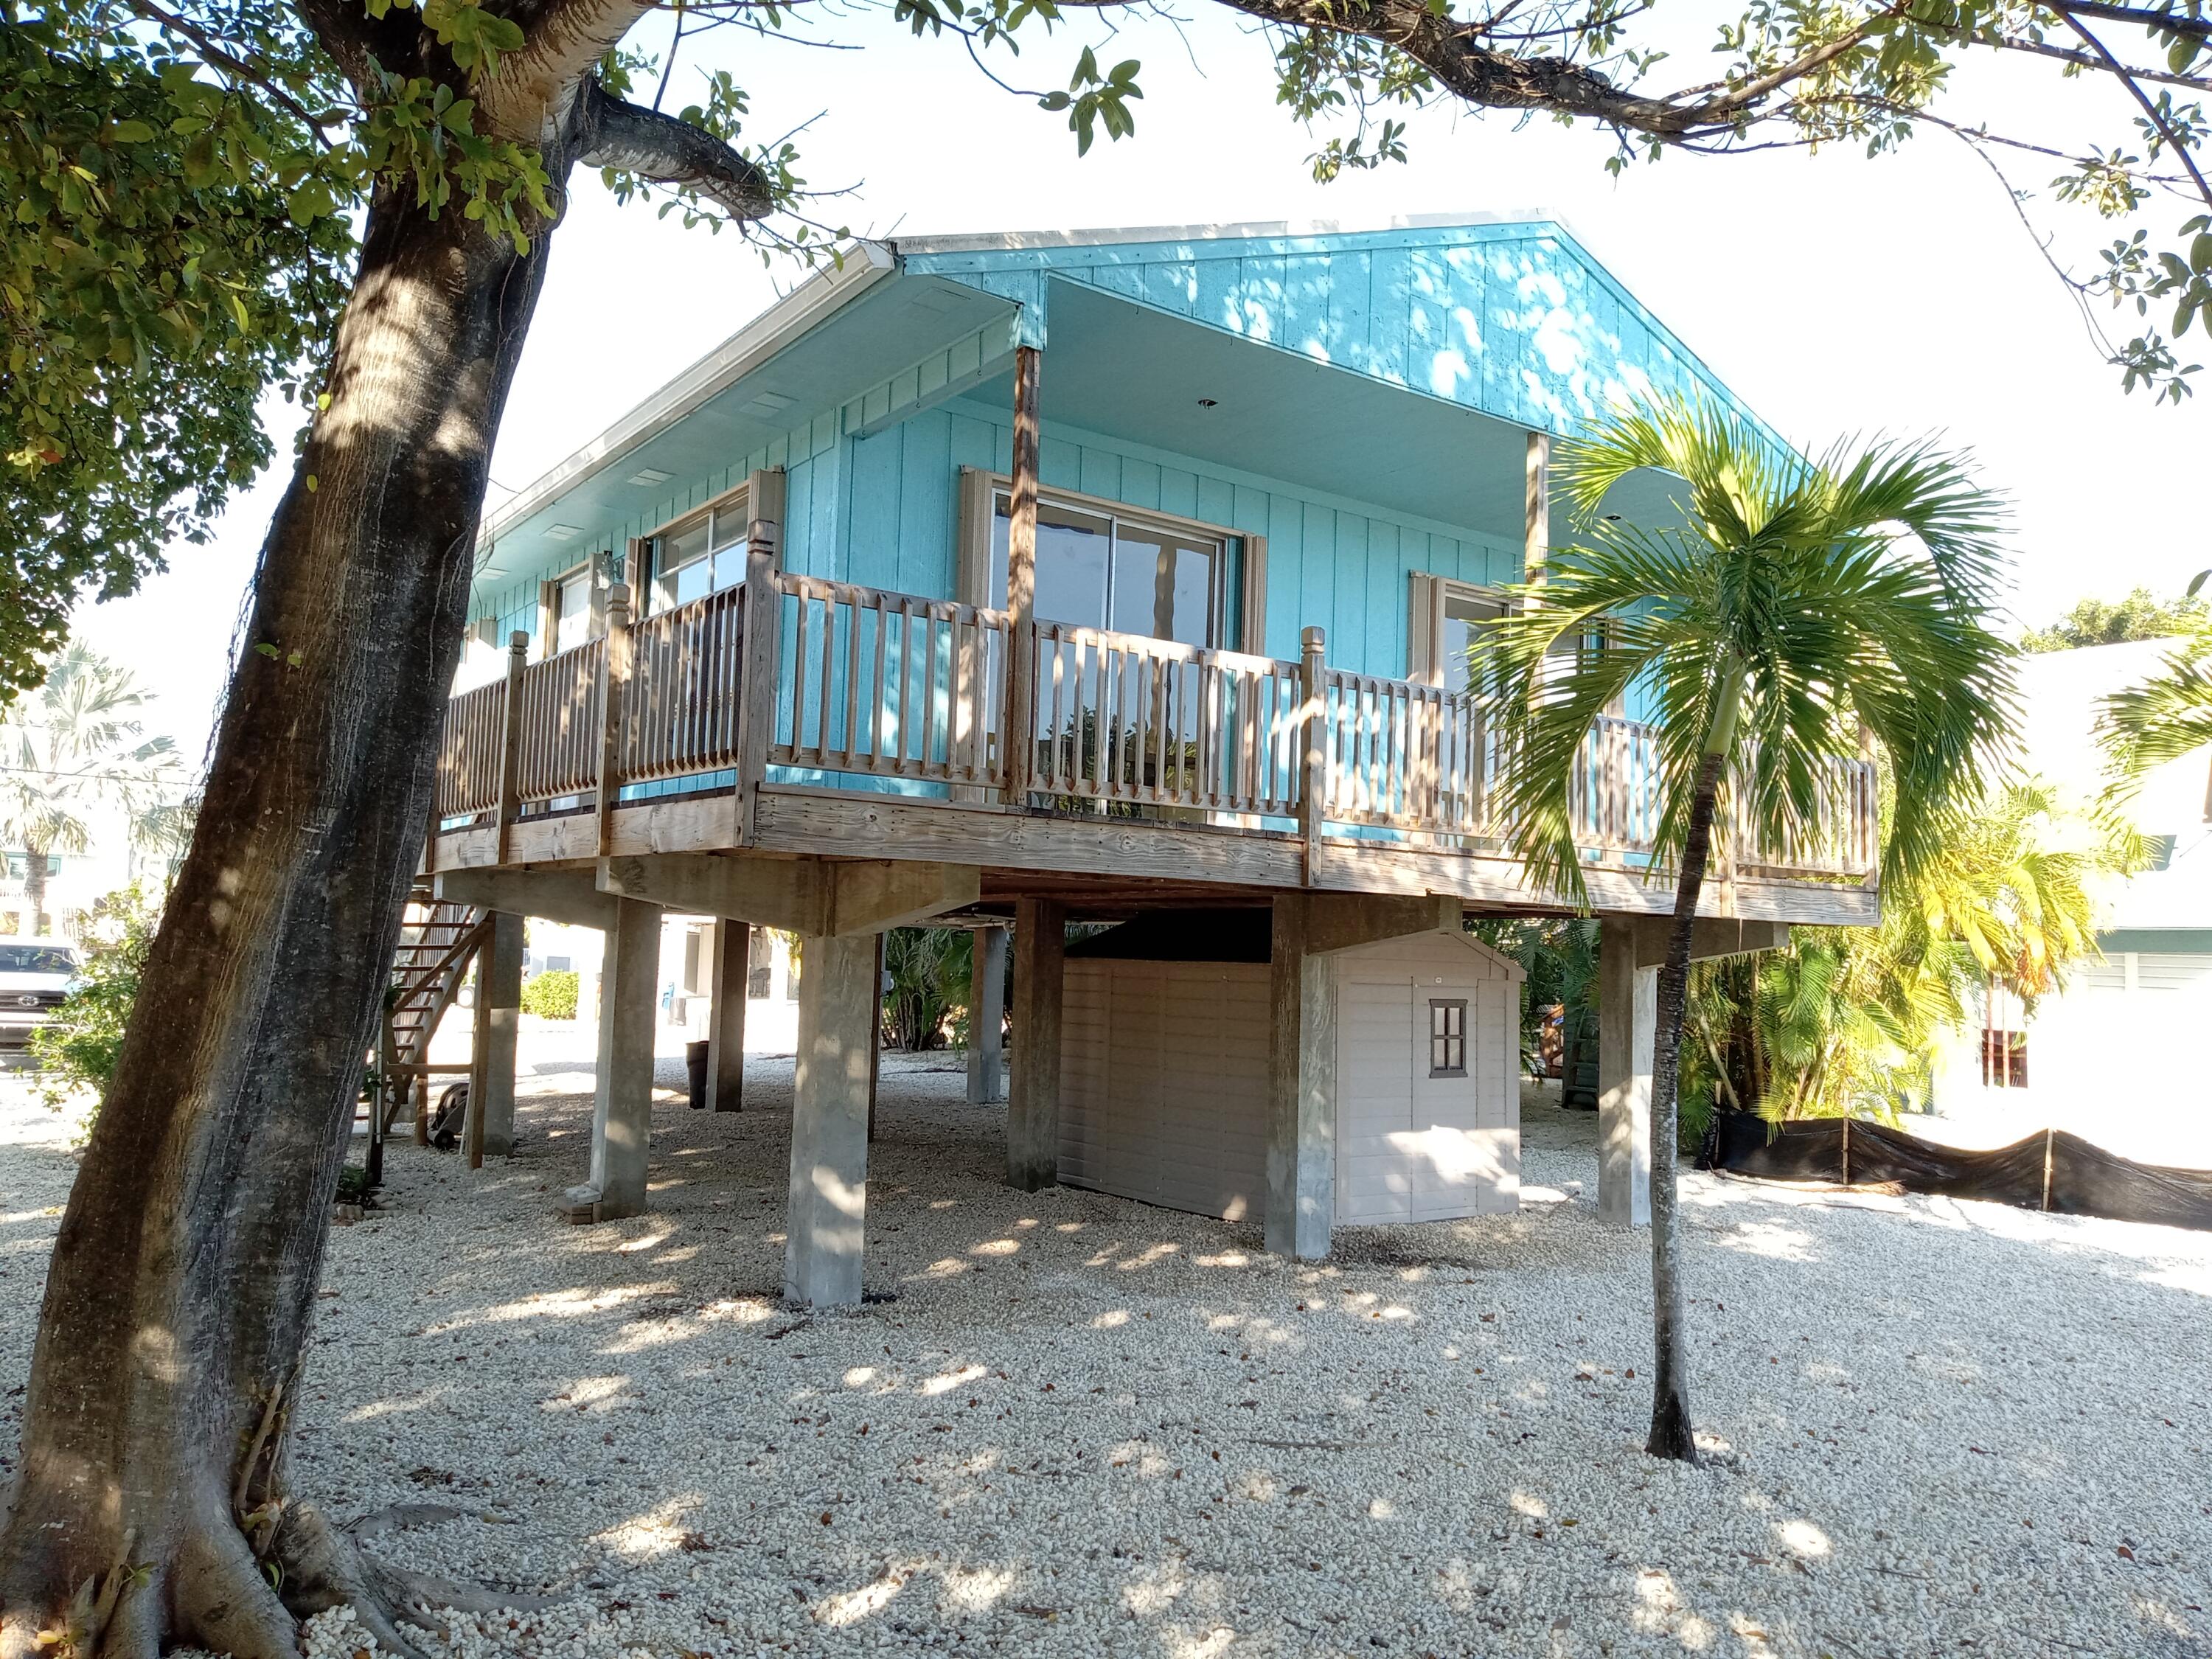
2123	1055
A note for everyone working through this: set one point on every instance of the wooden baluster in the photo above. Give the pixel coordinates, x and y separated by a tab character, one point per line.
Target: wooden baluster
877	704
909	670
831	605
965	735
614	684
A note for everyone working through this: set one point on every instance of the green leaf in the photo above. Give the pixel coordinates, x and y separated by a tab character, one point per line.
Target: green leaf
131	132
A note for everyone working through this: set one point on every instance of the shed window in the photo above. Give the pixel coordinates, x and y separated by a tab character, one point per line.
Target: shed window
1447	1039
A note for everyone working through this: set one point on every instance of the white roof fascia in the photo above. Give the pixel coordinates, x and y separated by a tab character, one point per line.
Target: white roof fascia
1007	241
865	265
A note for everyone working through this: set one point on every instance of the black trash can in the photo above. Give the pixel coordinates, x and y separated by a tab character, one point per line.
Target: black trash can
695	1057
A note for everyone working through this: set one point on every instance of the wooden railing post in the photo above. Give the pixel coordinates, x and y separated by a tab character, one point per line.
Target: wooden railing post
614	688
1020	727
510	743
756	694
1313	743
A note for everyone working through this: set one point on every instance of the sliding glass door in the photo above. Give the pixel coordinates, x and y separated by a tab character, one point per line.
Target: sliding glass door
1098	568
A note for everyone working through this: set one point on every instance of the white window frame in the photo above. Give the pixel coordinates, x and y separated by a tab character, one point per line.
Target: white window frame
732	503
549	603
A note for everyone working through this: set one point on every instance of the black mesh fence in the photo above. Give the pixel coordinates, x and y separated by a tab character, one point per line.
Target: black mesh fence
2050	1170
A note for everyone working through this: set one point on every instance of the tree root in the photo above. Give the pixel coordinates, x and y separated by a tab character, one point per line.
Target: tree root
322	1567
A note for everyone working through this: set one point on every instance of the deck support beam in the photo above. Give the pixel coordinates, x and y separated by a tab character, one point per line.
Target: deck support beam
1301	1085
622	1103
987	1017
490	1132
562	896
1627	1032
811	897
726	1016
1033	1099
827	1226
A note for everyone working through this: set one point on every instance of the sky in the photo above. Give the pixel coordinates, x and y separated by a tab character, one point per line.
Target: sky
1837	295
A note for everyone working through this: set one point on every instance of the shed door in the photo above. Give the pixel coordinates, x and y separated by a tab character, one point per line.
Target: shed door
1427	1127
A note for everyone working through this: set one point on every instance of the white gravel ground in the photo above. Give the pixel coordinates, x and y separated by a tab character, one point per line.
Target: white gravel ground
1072	1426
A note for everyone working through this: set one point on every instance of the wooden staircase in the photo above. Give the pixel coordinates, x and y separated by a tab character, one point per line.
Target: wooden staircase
437	940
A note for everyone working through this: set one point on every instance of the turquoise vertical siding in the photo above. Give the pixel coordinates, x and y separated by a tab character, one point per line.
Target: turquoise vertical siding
1340	564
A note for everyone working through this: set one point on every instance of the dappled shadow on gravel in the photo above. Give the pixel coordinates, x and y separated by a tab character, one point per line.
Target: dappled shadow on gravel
1067	1424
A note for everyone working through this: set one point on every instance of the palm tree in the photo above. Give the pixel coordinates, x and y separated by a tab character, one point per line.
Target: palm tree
71	748
1846	1021
2166	717
1797	605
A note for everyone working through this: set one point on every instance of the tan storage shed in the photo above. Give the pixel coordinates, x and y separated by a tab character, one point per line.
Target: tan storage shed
1163	1071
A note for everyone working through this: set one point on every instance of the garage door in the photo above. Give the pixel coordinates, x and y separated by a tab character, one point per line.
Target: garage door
1426	1124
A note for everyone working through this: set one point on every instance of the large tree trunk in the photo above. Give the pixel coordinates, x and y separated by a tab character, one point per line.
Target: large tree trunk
167	1356
1671	1432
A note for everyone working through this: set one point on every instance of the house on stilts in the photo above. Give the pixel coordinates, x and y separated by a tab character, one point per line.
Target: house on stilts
1011	581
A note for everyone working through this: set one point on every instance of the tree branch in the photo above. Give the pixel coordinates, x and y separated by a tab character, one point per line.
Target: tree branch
344	30
658	147
2158	122
2196	28
221	60
2078	59
528	94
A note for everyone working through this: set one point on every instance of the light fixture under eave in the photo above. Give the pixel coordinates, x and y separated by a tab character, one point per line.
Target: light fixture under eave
491	570
646	476
767	404
563	532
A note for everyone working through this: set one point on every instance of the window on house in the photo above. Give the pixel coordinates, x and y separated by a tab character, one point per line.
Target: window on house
1447	1039
2004	1038
2004	1059
572	610
699	556
1465	610
1100	568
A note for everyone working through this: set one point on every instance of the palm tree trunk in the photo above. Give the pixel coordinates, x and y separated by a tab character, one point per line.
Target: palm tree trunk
1671	1433
34	890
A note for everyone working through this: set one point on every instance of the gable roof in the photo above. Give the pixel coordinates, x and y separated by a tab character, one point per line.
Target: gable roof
1411	357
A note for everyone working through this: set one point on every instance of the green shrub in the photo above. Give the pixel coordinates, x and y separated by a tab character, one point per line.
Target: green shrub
551	995
76	1050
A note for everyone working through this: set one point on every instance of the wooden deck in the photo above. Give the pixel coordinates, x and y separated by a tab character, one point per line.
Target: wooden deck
794	716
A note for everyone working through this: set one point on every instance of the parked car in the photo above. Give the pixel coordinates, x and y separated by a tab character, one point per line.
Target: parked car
35	974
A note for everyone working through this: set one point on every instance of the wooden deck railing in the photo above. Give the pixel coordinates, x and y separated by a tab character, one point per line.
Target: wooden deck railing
856	681
888	685
1138	722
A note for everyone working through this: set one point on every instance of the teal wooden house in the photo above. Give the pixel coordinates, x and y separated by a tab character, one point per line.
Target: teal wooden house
1073	575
